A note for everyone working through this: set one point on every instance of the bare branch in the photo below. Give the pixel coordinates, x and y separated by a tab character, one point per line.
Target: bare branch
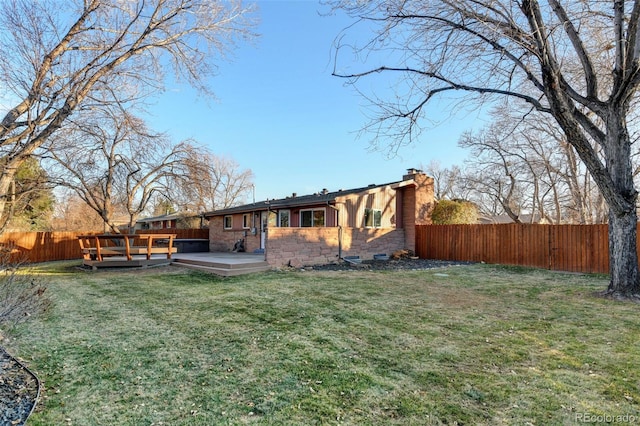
59	56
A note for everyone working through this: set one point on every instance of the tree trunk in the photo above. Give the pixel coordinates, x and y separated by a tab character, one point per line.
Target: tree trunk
7	191
5	198
623	259
623	218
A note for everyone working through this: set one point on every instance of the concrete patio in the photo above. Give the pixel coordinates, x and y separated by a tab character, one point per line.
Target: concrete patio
222	263
219	263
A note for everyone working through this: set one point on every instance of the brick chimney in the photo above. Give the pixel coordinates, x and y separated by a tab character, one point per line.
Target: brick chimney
418	203
412	173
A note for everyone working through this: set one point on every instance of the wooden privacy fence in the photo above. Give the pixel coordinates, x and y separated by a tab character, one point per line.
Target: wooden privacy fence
576	248
47	246
579	248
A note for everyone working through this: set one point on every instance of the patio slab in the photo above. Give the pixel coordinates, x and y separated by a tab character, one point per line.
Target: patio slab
225	264
221	257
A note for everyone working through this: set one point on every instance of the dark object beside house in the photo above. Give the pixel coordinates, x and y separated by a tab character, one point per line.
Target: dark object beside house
238	247
189	245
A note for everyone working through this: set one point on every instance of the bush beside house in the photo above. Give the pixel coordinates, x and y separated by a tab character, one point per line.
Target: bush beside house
454	212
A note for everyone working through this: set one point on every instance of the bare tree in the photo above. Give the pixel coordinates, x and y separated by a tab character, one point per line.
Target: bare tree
113	162
533	157
156	170
575	196
213	182
57	55
446	181
493	173
577	62
71	213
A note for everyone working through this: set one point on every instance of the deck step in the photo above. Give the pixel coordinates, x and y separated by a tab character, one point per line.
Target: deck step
222	264
223	269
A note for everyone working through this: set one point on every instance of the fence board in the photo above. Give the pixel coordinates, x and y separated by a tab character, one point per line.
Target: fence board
47	246
577	248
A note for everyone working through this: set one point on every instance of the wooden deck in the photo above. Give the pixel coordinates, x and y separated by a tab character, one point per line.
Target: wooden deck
117	250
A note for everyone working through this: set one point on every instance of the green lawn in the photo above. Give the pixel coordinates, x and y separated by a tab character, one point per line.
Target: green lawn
463	345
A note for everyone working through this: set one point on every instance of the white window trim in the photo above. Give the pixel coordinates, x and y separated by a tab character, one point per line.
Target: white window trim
246	221
288	212
373	219
224	221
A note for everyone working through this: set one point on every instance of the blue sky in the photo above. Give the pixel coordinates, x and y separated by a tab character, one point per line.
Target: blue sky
280	112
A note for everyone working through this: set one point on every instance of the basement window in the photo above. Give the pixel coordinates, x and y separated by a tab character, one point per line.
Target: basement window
372	218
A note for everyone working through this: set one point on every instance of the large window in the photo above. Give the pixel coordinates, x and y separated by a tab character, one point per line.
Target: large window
372	218
284	217
228	222
312	218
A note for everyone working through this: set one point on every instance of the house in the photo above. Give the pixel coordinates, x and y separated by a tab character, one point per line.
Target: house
505	218
328	225
172	220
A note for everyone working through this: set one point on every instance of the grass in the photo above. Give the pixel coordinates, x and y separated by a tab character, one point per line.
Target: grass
464	345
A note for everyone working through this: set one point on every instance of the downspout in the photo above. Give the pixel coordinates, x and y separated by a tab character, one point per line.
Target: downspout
266	228
339	229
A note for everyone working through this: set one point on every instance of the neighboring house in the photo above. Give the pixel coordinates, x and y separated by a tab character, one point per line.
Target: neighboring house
505	218
329	225
173	220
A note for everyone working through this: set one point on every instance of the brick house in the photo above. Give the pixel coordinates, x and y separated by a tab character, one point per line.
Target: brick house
171	220
329	225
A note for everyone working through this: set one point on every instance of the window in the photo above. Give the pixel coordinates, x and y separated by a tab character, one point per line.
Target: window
269	219
283	218
312	218
228	222
372	218
273	219
246	221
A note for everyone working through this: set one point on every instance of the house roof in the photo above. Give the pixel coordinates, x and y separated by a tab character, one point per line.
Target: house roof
162	217
505	218
323	197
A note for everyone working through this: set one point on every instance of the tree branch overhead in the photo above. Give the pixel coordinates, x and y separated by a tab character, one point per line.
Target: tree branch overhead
576	62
